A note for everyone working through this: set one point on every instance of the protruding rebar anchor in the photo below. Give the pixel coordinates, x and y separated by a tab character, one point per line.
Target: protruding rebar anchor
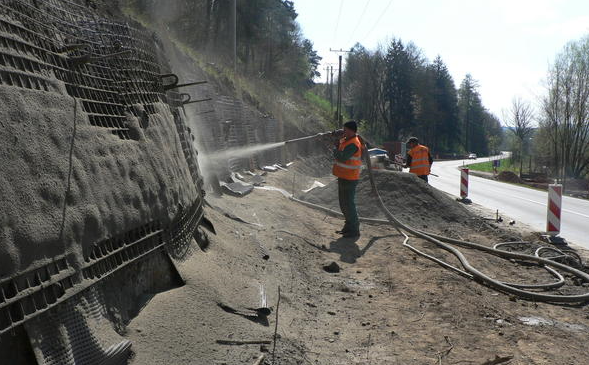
185	98
165	76
175	85
187	84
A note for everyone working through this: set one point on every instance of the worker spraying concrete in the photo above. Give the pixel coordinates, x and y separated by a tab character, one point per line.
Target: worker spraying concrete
346	167
347	153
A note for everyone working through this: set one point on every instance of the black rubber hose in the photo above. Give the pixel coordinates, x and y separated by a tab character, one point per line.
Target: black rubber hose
477	275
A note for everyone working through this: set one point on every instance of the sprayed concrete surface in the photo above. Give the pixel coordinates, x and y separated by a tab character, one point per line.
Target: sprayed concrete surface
66	184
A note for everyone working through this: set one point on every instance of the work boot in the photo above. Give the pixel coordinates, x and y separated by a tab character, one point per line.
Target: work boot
351	234
343	230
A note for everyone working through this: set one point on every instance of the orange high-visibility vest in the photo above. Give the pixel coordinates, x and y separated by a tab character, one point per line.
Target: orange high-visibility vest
349	169
419	160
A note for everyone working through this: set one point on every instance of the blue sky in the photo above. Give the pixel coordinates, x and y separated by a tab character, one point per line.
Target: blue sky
507	45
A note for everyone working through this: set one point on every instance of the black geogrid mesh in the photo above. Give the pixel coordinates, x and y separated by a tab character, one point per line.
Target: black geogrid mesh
34	291
112	254
63	336
181	233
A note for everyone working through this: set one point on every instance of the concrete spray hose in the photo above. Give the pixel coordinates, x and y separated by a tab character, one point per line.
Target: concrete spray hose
469	271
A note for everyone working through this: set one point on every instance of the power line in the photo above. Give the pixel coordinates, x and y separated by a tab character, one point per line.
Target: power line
378	20
339	14
359	21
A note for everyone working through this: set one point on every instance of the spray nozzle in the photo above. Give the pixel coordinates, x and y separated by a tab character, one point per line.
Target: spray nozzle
334	133
337	133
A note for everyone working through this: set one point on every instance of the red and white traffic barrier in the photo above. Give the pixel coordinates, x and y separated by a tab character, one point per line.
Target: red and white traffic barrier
464	183
554	208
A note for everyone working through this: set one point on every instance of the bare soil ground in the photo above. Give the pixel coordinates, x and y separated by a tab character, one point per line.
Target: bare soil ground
385	306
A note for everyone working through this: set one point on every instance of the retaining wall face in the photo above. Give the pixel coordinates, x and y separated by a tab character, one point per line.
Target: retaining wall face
88	150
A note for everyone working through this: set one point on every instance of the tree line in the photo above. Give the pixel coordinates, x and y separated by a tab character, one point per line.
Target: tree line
270	44
564	114
396	92
556	134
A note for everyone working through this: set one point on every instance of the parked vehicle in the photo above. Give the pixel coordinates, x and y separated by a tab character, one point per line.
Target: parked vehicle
378	158
472	156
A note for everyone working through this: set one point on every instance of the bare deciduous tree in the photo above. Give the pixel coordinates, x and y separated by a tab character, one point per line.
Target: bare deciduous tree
520	118
565	110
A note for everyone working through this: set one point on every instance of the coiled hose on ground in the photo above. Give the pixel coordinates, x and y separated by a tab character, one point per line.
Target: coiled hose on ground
468	270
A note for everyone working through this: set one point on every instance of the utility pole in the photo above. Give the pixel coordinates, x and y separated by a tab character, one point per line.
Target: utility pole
331	90
339	93
234	33
326	69
329	84
327	91
339	86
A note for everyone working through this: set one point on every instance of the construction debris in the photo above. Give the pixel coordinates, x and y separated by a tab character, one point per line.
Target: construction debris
270	168
316	184
238	188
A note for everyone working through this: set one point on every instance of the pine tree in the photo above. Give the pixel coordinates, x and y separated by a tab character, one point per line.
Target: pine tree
447	130
398	90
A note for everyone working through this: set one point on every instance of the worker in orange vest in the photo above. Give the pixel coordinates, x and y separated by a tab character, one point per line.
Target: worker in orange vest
347	165
419	160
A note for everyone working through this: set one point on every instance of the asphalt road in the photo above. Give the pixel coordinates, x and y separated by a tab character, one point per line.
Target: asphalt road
521	204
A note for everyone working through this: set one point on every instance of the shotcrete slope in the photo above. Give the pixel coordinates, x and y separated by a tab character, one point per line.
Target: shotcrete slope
65	184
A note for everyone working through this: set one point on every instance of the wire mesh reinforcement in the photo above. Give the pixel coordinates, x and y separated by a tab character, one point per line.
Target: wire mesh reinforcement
109	66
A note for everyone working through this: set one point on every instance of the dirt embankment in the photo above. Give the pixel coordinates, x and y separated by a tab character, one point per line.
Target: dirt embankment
508	176
385	305
409	198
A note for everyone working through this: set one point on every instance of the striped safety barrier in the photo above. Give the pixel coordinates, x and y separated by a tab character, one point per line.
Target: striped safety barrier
464	183
554	208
